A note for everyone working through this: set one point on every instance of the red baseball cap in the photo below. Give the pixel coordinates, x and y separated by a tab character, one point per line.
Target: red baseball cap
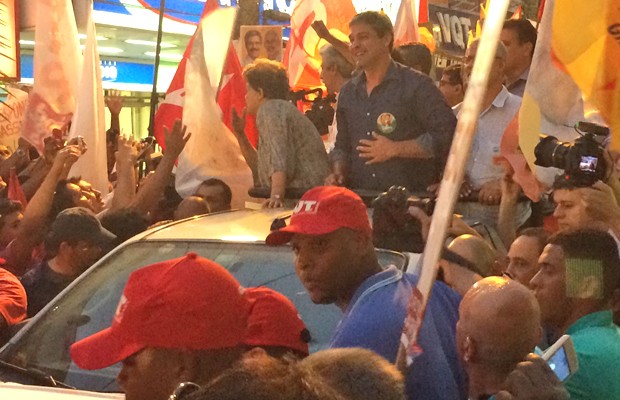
323	210
185	303
274	321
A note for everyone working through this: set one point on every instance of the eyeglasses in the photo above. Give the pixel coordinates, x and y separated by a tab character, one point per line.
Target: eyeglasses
183	390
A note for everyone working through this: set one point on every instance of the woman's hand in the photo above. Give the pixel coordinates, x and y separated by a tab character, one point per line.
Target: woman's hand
273	202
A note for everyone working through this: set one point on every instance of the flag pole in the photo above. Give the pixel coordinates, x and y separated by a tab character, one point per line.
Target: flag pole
154	97
452	180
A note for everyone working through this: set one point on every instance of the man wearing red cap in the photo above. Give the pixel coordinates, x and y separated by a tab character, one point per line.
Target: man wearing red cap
179	320
274	324
336	261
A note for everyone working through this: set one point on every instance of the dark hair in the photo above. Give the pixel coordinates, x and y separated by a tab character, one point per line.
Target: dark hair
414	55
591	244
564	182
268	76
124	223
540	234
380	23
454	73
63	197
524	29
225	188
251	33
8	207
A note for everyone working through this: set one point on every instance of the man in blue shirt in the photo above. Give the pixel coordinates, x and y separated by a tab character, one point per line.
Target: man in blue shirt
394	126
336	261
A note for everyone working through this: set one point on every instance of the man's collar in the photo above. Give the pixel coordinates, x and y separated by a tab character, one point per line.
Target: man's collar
501	98
390	74
595	319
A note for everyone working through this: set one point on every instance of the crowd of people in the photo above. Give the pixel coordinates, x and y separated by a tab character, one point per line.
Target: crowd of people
496	304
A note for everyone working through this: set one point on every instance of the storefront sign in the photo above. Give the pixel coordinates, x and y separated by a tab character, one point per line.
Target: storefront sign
9	50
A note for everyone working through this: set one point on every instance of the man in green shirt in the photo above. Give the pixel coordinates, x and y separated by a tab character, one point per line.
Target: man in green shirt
579	271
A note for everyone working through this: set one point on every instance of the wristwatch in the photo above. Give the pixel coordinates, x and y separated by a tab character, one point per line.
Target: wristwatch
20	153
276	197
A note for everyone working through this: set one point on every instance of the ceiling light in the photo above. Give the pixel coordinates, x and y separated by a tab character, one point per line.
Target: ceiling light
26	42
83	36
166	56
107	50
164	45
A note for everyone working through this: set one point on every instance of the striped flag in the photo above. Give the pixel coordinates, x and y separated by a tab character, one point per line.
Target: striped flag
57	66
406	25
301	56
212	151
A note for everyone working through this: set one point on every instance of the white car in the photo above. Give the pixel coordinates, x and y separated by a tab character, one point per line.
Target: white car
233	239
16	391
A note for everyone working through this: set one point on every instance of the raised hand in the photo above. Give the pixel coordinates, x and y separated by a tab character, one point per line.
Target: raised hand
176	139
114	102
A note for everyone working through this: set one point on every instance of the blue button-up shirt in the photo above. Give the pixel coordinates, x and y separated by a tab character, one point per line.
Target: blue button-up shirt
418	107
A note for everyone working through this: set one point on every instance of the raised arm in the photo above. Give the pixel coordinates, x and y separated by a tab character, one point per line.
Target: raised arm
31	231
149	193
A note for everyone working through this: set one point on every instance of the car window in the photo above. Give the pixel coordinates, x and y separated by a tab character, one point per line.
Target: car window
89	305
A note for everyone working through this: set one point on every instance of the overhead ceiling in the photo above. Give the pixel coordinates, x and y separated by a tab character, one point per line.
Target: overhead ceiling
112	44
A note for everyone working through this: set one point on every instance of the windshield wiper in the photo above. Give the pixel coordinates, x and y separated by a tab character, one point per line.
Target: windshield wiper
40	377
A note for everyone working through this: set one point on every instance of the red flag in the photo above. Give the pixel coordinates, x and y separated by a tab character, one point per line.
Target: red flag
422	11
171	108
212	151
15	191
232	95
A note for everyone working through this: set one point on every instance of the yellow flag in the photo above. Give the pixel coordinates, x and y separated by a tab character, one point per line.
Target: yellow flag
586	40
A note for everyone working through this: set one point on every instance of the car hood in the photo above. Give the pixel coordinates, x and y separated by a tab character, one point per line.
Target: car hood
27	392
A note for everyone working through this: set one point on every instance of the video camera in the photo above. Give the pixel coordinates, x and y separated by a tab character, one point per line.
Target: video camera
321	113
393	227
582	160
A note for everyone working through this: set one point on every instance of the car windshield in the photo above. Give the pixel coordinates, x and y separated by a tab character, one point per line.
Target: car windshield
89	305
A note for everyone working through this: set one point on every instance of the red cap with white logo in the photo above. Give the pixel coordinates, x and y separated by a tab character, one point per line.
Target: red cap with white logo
185	303
322	210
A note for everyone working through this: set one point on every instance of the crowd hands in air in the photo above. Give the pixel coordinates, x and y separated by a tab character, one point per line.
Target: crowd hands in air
502	291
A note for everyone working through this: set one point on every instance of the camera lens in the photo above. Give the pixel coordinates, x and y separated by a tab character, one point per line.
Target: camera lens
550	152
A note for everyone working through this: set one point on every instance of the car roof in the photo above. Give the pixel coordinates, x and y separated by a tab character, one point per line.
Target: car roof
236	225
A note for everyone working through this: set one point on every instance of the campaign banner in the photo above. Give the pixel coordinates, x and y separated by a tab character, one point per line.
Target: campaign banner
451	28
12	111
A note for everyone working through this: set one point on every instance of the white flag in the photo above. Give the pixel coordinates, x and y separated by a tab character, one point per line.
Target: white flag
89	119
57	64
406	25
212	151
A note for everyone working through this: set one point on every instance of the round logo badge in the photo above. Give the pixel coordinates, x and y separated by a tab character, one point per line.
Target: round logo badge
386	123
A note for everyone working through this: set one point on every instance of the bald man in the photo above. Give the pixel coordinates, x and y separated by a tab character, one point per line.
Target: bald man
499	326
468	259
191	206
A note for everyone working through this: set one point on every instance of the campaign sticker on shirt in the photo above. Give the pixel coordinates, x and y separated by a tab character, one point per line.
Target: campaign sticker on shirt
386	123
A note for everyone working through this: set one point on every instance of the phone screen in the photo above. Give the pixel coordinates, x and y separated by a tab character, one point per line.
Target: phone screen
559	364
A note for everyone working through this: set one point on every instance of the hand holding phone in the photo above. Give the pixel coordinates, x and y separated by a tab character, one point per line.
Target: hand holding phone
561	358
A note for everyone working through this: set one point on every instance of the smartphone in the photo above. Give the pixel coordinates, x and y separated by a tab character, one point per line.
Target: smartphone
561	358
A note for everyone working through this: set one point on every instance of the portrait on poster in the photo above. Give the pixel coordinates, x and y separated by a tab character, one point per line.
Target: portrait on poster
260	41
